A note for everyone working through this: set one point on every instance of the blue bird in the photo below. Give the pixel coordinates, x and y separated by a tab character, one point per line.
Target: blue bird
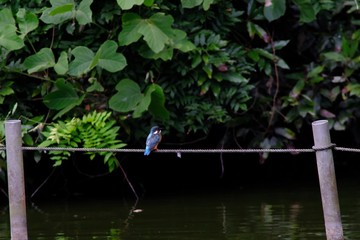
153	140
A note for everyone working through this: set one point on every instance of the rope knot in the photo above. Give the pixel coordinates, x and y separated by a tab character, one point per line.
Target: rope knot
330	146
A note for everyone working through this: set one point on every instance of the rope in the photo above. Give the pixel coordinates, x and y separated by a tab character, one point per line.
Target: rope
344	149
251	150
165	150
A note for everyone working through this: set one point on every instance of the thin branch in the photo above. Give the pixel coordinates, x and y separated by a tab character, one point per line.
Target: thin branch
52	38
186	143
28	75
43	183
277	83
4	192
128	181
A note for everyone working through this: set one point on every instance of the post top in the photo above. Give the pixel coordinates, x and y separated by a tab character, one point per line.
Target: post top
320	122
12	121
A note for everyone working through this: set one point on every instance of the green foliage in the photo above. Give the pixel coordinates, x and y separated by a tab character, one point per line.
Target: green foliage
64	98
193	3
9	38
94	130
157	33
40	61
129	98
264	68
274	9
106	57
128	4
64	10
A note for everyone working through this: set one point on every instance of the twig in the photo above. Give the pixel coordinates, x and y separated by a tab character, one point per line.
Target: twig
128	181
186	143
277	82
42	184
4	192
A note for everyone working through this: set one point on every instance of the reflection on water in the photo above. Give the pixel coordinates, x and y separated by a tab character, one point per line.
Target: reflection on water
244	214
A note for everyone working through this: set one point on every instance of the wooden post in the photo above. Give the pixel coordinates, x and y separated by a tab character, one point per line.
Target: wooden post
15	172
327	180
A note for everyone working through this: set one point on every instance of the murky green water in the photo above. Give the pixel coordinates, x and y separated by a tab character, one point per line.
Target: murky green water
246	214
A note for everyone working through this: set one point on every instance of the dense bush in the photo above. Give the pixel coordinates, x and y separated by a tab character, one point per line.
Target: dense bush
262	69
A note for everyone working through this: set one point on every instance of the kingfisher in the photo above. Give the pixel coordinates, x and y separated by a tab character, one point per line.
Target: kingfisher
153	140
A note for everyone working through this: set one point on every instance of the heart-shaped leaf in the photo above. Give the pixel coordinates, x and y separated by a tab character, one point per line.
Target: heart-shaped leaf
108	58
128	4
84	13
27	21
144	103
64	10
60	11
82	62
127	97
40	61
62	66
131	23
156	30
9	39
157	105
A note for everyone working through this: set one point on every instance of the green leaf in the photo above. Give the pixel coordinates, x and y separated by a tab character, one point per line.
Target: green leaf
234	77
131	23
282	64
84	13
264	53
5	90
127	97
144	103
307	10
128	4
62	9
157	105
254	29
27	21
95	86
83	59
63	96
108	58
40	61
73	104
354	89
166	54
62	66
59	12
280	44
8	36
156	30
299	86
9	39
285	132
180	42
335	56
191	3
149	3
274	9
6	17
207	3
315	72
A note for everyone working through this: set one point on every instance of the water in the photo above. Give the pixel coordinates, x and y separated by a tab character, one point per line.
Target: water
247	214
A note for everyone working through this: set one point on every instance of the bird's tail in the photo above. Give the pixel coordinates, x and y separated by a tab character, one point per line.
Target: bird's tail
147	151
